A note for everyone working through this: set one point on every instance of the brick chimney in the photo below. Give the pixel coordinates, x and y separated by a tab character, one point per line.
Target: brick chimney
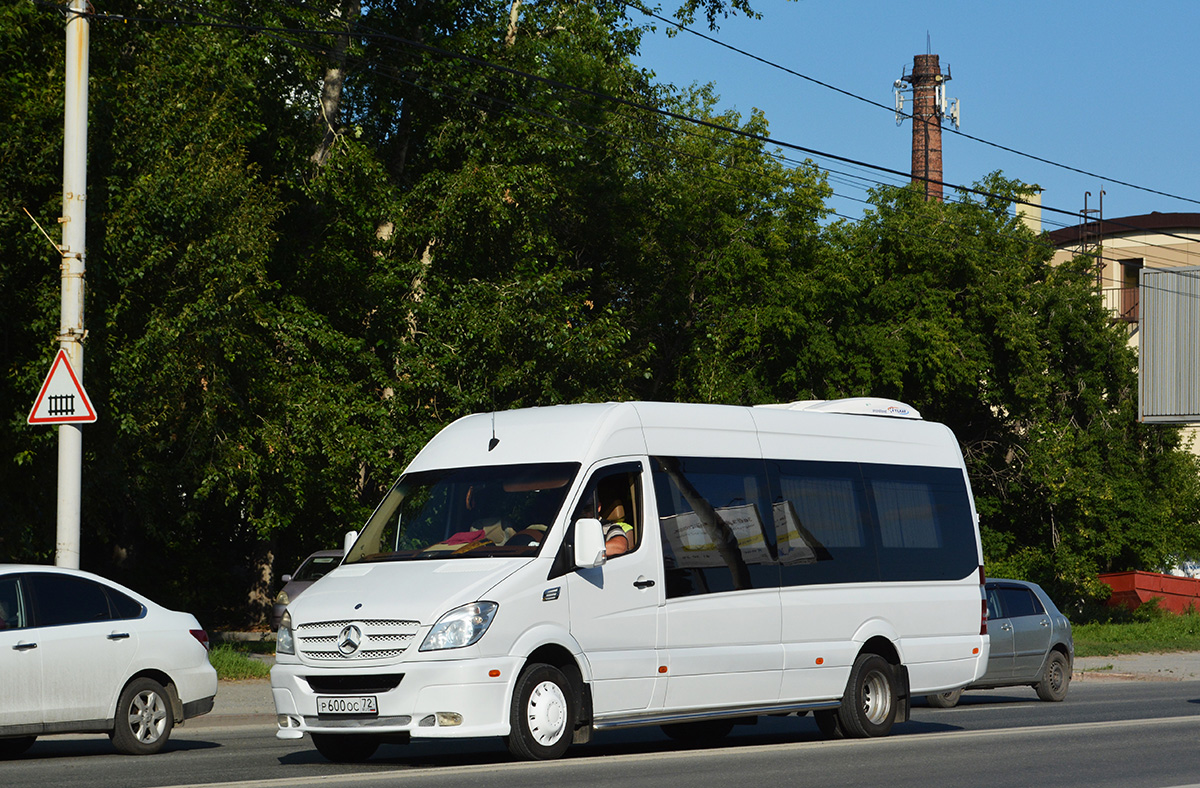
925	79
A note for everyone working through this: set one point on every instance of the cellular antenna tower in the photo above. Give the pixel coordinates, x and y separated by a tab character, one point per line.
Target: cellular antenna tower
927	85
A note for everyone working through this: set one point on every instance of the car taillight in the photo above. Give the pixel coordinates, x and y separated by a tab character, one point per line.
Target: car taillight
201	635
983	618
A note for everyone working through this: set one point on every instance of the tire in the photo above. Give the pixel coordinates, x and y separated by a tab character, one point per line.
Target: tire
344	747
144	718
703	732
829	724
945	700
1056	678
869	706
12	748
543	714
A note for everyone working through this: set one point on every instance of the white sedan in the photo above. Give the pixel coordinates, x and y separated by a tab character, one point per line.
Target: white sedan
79	653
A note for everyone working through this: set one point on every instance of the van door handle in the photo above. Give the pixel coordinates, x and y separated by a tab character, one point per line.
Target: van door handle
118	636
24	646
642	583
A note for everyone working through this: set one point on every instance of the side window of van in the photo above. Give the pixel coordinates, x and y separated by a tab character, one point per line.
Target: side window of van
714	515
822	523
614	496
925	526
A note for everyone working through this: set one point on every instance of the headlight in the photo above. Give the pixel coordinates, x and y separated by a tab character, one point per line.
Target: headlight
282	598
460	627
284	644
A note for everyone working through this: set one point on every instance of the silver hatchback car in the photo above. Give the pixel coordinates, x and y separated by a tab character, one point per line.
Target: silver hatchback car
1031	643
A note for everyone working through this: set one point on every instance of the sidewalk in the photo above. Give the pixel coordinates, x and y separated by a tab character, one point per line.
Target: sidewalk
246	702
1173	666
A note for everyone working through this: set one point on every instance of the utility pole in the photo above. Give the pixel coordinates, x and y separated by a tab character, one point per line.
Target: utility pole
929	108
74	225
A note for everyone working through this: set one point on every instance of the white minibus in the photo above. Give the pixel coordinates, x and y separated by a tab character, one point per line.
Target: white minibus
546	573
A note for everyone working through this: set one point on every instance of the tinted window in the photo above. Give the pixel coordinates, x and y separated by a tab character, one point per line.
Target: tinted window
63	599
822	523
124	606
714	533
829	522
1016	602
925	527
12	604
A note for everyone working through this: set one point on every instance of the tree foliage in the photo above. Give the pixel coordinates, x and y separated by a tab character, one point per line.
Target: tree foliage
318	232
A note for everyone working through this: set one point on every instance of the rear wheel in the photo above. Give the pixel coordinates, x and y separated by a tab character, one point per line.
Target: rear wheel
705	732
11	748
542	715
869	705
1056	678
144	718
945	700
345	748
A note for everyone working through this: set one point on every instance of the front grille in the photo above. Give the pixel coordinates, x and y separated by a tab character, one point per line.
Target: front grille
354	684
377	639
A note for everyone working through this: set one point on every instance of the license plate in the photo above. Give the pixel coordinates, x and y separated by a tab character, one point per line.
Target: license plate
348	704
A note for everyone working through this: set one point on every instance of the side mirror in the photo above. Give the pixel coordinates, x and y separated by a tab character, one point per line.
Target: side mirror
589	543
348	542
285	579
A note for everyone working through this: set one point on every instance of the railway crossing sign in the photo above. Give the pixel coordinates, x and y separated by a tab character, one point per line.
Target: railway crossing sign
62	399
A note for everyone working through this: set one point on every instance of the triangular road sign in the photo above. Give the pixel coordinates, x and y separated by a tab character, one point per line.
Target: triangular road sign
62	399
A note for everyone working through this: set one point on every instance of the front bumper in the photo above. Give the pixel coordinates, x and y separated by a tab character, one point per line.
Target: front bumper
434	699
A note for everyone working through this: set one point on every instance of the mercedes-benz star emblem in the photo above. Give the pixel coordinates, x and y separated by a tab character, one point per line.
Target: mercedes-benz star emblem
349	640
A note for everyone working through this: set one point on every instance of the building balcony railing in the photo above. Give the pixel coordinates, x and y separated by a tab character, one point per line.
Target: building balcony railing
1122	302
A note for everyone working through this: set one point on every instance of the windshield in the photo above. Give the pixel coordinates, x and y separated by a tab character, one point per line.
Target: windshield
316	567
466	513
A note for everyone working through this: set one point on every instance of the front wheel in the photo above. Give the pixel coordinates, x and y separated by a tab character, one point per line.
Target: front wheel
869	706
542	714
345	748
1056	678
144	719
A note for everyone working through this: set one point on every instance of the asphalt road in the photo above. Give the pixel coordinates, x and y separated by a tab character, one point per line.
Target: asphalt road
1116	728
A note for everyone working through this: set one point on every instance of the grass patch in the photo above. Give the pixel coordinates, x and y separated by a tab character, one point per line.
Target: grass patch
234	664
1157	632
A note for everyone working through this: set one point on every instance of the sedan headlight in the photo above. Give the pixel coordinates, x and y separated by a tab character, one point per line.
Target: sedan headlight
284	643
459	628
282	599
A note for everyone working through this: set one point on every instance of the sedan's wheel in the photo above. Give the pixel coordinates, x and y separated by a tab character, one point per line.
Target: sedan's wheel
1056	678
945	700
542	714
144	720
869	705
11	748
829	724
345	748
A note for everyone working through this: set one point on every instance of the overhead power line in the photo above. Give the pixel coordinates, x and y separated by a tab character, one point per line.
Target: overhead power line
892	109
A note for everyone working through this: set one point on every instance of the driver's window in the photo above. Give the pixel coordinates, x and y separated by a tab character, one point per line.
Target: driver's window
613	496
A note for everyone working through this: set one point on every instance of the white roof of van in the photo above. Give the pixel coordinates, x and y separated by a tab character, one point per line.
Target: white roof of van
820	430
860	406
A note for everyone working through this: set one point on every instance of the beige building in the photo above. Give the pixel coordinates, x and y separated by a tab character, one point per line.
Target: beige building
1122	248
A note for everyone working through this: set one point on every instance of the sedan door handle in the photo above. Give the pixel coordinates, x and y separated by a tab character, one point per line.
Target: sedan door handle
642	583
24	646
118	636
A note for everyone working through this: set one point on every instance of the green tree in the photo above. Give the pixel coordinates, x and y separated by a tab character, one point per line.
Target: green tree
955	308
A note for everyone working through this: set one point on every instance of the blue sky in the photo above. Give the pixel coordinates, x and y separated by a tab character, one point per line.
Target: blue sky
1106	87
